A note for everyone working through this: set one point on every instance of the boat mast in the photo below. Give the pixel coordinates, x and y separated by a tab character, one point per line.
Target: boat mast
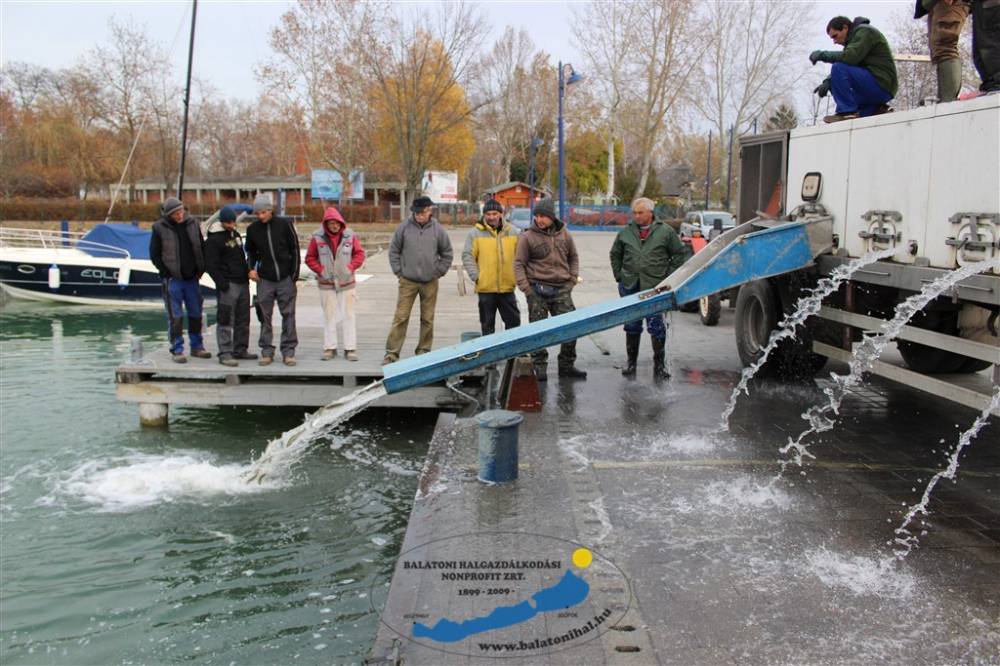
187	102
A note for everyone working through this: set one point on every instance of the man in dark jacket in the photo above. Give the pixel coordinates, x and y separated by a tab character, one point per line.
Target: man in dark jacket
645	252
175	249
863	77
273	259
546	268
226	263
419	255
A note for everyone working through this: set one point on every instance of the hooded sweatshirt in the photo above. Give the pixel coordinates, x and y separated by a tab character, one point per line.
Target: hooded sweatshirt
867	47
335	258
547	256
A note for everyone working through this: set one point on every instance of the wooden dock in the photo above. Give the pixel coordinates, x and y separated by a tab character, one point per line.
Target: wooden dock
154	381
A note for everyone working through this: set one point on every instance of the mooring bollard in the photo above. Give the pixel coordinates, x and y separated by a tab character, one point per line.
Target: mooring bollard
135	349
498	445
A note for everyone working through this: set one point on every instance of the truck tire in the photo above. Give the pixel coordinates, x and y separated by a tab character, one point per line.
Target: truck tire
710	308
758	311
931	360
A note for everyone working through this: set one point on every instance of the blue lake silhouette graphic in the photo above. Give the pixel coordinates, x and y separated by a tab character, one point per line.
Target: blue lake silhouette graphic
568	592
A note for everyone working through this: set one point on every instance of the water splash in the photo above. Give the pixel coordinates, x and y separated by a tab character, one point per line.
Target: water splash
283	451
823	417
906	540
807	306
862	576
139	480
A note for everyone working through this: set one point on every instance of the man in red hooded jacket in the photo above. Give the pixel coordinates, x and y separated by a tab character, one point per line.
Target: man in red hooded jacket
334	254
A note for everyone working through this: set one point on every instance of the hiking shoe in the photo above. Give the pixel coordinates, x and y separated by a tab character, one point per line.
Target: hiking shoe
328	354
351	355
837	117
265	360
179	357
228	361
389	358
201	352
572	373
288	360
245	356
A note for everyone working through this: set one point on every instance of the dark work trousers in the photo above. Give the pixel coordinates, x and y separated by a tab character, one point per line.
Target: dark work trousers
986	42
855	90
540	308
232	326
178	296
284	292
655	324
505	304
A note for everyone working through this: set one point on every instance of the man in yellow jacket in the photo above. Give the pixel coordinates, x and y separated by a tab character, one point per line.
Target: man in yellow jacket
488	258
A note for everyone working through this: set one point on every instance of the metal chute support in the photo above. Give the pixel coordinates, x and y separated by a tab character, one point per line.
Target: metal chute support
742	254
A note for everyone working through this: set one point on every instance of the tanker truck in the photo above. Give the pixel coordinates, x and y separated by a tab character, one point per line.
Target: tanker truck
922	187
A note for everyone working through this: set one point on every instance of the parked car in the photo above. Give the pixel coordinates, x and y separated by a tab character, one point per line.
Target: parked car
705	220
519	217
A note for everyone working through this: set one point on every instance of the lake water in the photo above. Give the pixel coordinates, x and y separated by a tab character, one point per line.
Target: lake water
119	547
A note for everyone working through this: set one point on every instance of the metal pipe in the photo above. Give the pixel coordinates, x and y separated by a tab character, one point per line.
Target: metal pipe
562	157
187	102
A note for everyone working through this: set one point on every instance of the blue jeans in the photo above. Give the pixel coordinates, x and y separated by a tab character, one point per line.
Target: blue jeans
655	324
855	90
178	296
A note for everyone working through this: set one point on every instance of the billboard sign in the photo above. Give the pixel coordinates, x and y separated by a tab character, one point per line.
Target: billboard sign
327	184
441	186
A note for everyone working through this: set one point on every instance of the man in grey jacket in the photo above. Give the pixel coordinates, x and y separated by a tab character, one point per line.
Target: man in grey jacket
420	254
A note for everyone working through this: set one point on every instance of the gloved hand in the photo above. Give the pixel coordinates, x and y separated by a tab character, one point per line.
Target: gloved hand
823	89
815	56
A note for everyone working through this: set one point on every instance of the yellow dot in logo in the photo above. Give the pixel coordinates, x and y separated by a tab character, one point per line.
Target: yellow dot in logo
582	558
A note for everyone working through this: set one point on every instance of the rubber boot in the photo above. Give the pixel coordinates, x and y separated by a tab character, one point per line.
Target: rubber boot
541	370
659	360
632	349
949	78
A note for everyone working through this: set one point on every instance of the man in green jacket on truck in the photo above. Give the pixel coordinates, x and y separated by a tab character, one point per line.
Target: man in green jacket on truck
645	252
863	77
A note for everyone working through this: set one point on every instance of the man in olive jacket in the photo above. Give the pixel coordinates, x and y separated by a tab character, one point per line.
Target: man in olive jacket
863	77
645	252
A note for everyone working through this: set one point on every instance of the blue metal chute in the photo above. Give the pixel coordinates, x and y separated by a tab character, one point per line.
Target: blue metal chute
740	255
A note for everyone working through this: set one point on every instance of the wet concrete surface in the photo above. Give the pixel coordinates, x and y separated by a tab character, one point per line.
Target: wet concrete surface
724	566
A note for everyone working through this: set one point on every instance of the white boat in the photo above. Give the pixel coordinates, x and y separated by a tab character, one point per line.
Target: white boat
107	265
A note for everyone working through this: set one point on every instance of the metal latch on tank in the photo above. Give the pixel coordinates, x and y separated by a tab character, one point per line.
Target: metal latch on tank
882	232
978	236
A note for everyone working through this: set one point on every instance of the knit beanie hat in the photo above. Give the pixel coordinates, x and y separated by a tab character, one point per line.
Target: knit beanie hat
262	202
227	214
171	205
493	205
546	207
332	213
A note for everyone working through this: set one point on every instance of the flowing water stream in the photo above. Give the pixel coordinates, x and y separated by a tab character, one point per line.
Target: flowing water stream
823	417
807	306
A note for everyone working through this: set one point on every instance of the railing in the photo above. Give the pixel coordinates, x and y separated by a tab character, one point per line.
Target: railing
57	240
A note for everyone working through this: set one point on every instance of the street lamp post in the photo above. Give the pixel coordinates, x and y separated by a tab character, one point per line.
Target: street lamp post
565	79
535	143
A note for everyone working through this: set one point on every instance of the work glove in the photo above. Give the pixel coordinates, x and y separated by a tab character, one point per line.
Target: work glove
823	89
816	56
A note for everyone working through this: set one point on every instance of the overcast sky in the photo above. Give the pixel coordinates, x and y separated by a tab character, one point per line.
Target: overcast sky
232	37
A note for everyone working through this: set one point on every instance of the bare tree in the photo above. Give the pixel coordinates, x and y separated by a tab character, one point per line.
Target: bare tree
317	71
665	58
606	33
418	63
750	62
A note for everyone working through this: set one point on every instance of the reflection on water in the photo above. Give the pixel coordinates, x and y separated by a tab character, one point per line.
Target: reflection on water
122	544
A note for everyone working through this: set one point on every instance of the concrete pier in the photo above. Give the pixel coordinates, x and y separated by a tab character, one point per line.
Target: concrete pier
706	560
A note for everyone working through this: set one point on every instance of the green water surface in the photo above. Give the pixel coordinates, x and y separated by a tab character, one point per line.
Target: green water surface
109	573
